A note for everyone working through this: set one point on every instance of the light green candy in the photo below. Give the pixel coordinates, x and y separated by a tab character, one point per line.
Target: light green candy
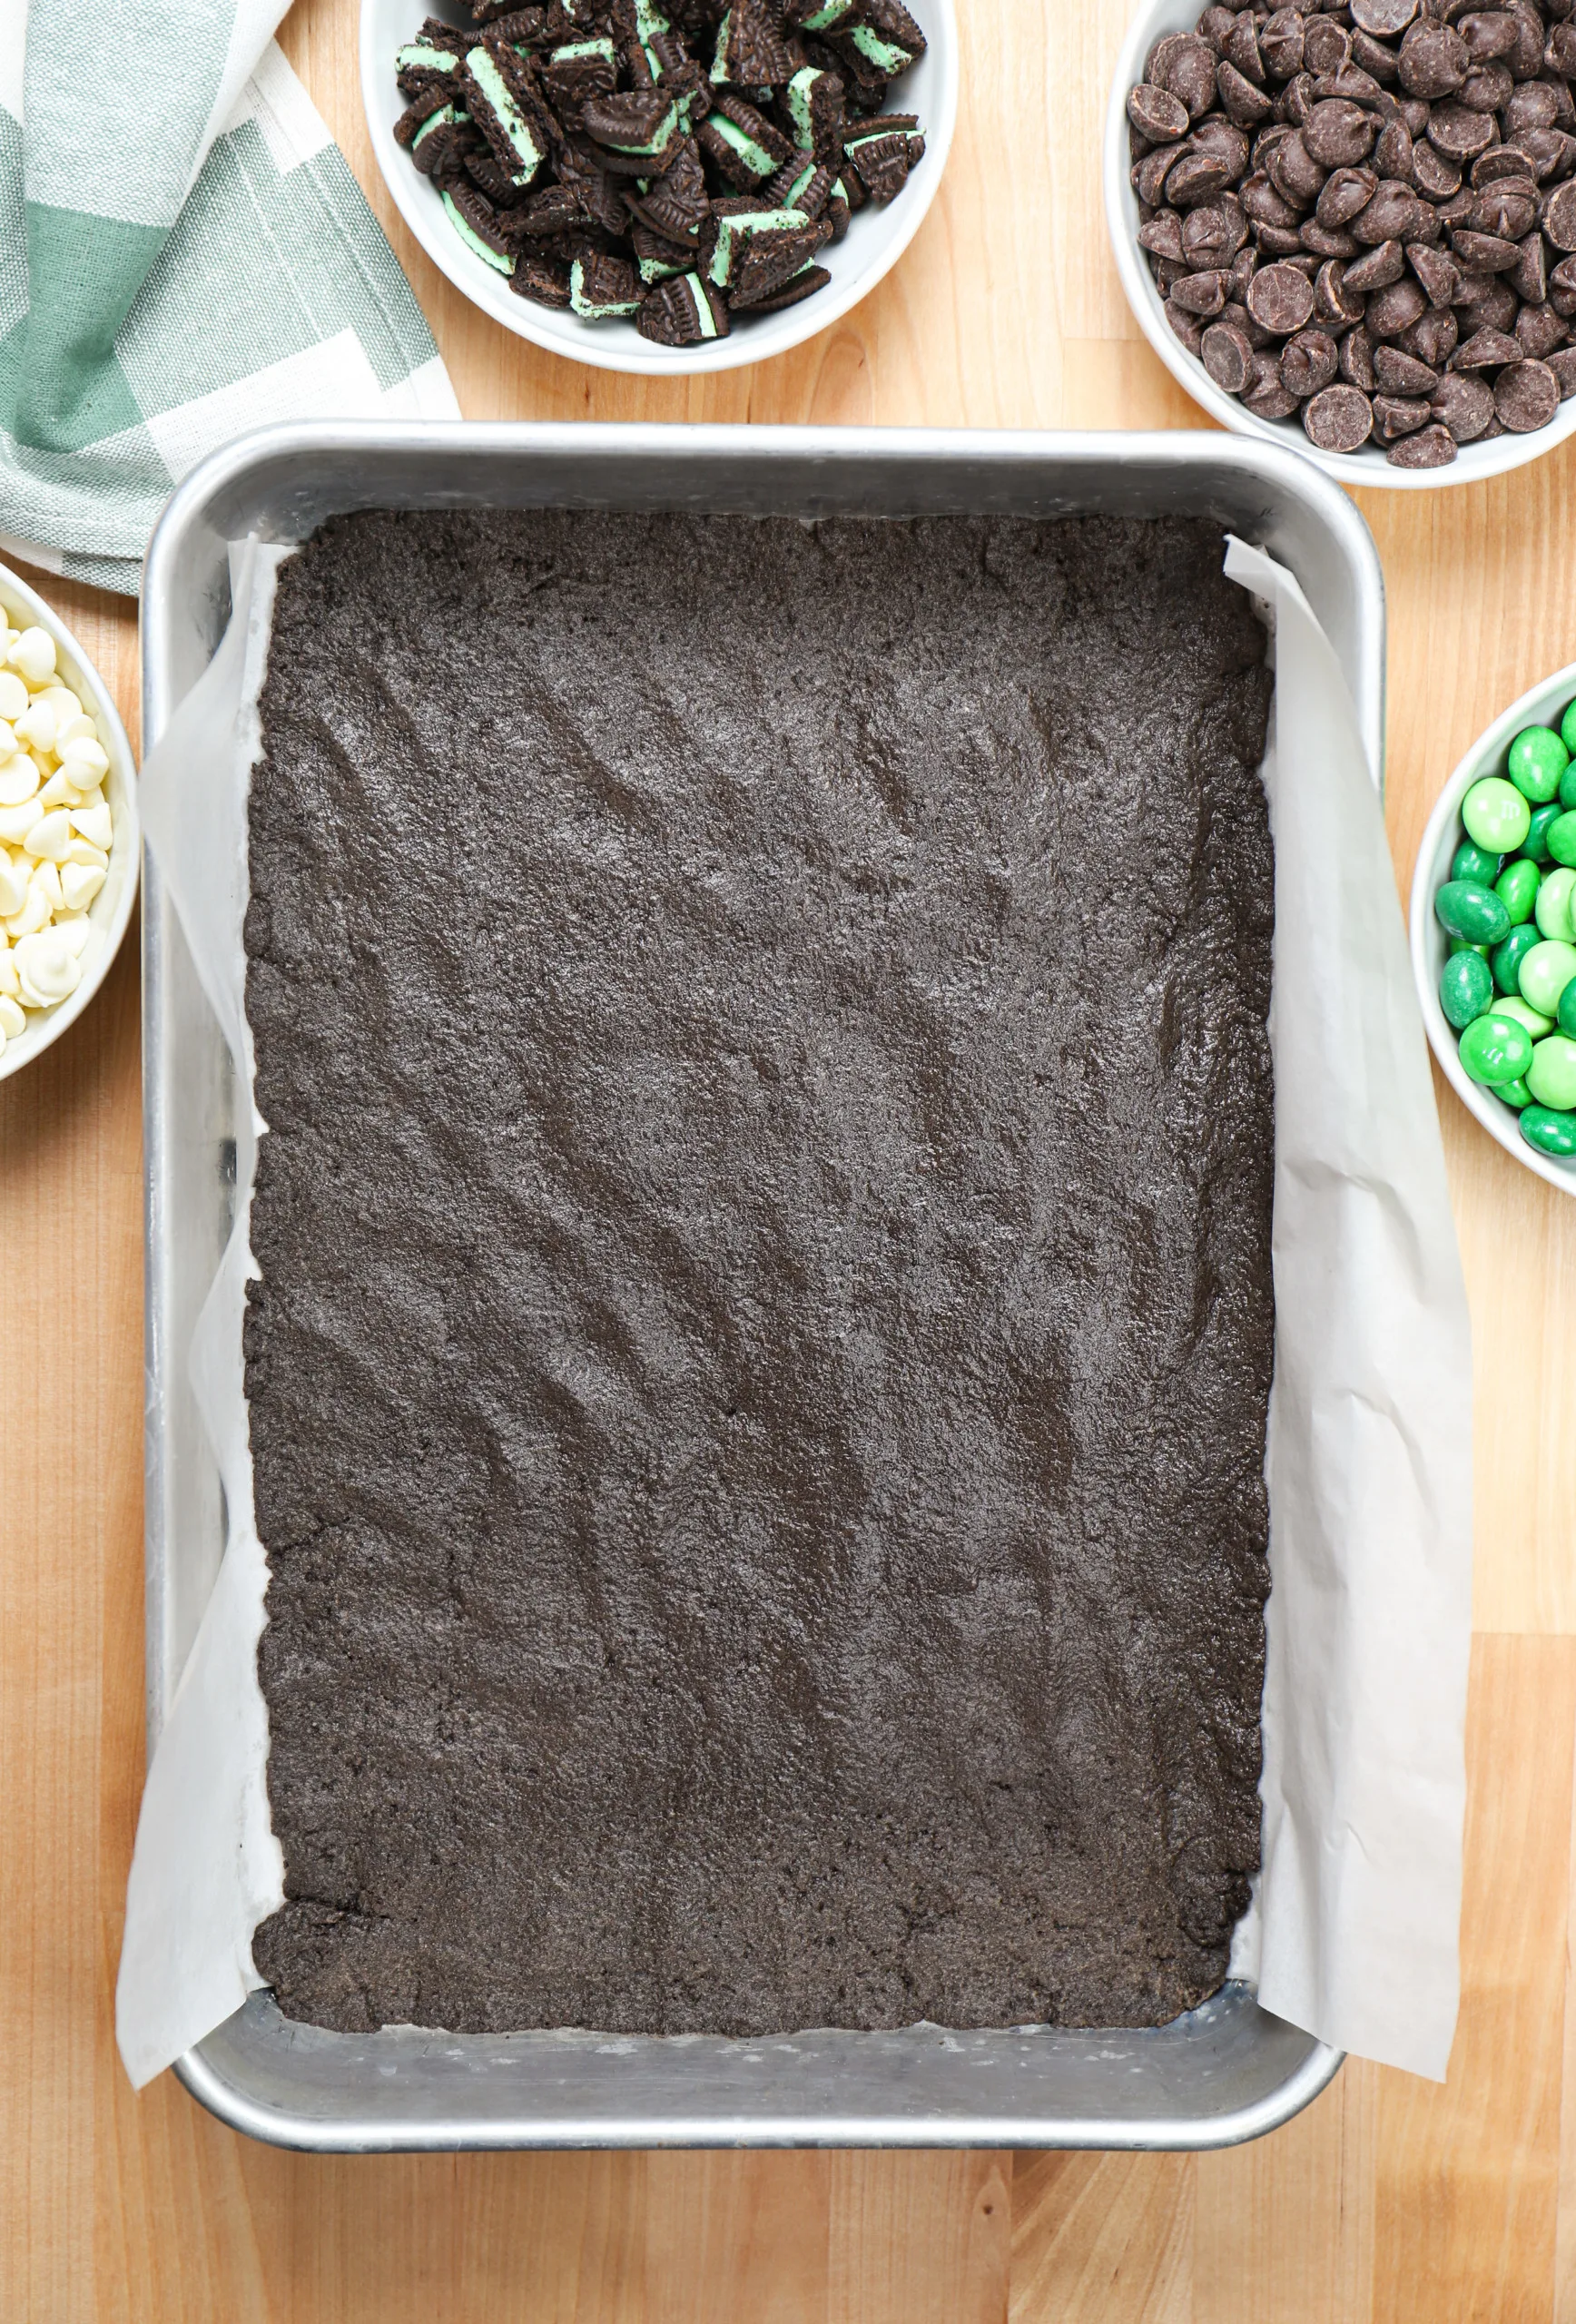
1521	1012
1552	909
1537	761
1544	974
1496	815
1551	1075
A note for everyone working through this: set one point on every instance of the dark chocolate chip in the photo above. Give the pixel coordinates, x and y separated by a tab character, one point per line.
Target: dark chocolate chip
1483	253
1357	359
1459	134
1465	402
1503	161
1393	215
1398	416
1526	396
1384	263
1431	448
1344	194
1308	362
1340	420
1374	58
1200	294
1240	48
1395	155
1227	357
1394	309
1150	175
1433	174
1334	304
1294	172
1189	73
1196	177
1326	45
1507	208
1264	204
1488	34
1529	278
1282	42
1339	134
1560	216
1383	19
1265	395
1214	232
1563	367
1539	332
1432	338
1162	235
1245	104
1187	327
1486	88
1280	299
1434	61
1436	271
1400	374
1485	350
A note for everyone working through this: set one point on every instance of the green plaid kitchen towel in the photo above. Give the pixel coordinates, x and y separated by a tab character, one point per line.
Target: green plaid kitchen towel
184	255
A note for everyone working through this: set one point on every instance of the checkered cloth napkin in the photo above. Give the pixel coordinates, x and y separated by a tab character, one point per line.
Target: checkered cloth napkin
184	255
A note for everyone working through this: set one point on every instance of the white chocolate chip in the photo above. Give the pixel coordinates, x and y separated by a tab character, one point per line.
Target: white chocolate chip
87	761
75	934
50	836
48	968
58	791
13	888
83	851
76	727
32	655
14	696
62	702
15	822
45	878
12	1020
79	884
38	725
18	780
94	824
10	983
36	912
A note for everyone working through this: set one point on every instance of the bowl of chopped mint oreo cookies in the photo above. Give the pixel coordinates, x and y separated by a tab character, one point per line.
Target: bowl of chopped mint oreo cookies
662	186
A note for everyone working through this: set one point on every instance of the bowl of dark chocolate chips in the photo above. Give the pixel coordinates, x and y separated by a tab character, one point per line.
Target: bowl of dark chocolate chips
662	186
1354	228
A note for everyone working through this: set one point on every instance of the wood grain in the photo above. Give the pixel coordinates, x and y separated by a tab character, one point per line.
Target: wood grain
1389	2199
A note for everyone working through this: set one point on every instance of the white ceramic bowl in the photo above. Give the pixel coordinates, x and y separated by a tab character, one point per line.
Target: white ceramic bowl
110	910
1542	706
1473	462
876	239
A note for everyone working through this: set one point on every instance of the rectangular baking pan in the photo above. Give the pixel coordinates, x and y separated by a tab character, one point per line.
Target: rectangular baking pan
1226	2072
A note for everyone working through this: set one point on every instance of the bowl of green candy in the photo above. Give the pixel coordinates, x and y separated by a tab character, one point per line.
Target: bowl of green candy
1493	930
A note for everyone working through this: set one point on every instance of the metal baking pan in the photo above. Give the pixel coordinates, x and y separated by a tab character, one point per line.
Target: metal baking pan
1226	2072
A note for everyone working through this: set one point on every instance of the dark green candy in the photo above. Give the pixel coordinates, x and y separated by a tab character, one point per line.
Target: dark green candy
1506	958
1472	861
1550	1133
1517	889
1515	1093
1568	787
1467	909
1566	1012
1466	989
1535	846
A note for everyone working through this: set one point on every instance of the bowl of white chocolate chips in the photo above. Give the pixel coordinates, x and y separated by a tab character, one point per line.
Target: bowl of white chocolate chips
69	840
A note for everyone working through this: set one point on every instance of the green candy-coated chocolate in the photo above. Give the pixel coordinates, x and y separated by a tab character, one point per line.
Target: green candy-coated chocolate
1566	1012
1561	838
1496	815
1517	889
1568	729
1522	1013
1567	794
1551	1075
1535	846
1506	958
1553	905
1471	862
1466	989
1458	944
1550	1133
1545	972
1515	1093
1477	913
1537	761
1496	1048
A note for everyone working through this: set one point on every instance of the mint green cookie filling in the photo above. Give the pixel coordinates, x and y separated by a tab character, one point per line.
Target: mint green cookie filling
886	55
595	311
439	120
755	156
421	56
523	139
703	305
500	263
573	51
720	75
675	118
658	269
830	14
735	234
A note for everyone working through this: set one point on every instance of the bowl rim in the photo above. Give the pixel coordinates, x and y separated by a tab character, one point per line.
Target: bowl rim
605	350
1485	756
1363	470
46	1025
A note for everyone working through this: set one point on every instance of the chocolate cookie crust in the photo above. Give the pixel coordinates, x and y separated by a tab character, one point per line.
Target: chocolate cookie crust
759	1375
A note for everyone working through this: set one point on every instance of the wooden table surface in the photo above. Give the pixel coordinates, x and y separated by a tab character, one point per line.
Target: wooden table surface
1391	2199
